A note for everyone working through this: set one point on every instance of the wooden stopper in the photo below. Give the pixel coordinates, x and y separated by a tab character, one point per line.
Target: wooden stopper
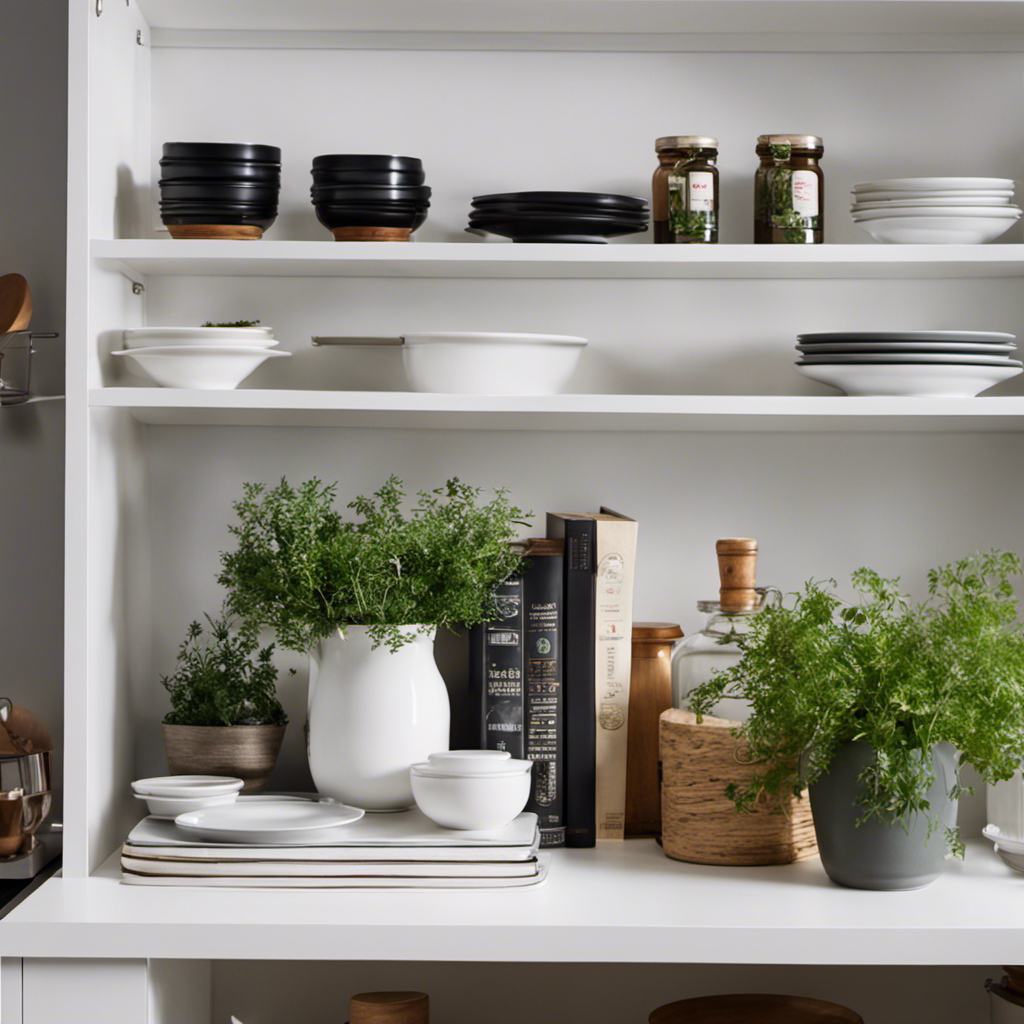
753	1009
360	234
737	570
389	1008
234	231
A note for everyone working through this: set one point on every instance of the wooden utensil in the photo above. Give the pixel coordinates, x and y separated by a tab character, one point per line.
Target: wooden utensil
389	1008
753	1009
737	567
15	303
650	693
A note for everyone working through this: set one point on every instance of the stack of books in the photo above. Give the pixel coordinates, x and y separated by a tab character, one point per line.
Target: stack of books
393	851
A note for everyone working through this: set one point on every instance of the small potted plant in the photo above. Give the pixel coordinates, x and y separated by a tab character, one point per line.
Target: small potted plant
365	597
225	718
877	706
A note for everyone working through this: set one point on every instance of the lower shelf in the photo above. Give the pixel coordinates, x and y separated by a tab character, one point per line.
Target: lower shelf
415	410
621	903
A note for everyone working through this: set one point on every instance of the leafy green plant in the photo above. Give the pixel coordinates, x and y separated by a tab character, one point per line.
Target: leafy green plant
302	569
901	676
232	323
217	681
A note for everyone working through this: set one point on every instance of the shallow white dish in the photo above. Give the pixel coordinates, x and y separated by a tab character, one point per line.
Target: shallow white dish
187	786
469	802
172	806
1006	212
911	381
491	364
269	821
943	336
864	347
897	358
995	835
995	194
937	230
1009	858
866	201
210	368
187	337
918	184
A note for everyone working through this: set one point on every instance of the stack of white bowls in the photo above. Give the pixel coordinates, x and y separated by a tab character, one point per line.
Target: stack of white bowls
203	358
935	210
170	795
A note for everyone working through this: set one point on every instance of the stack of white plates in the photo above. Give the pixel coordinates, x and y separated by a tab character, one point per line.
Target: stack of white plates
935	210
921	363
206	358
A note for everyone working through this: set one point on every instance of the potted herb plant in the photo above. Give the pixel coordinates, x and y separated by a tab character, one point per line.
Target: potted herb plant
225	718
365	597
877	706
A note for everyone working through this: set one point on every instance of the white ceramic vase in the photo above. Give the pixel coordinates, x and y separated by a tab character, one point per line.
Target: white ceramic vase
372	714
1005	804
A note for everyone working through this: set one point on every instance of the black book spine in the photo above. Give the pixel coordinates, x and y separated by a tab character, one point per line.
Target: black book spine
580	576
542	603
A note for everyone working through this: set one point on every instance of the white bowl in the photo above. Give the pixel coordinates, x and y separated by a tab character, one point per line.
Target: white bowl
172	806
186	337
187	786
938	204
211	368
933	184
471	802
491	364
995	194
1010	213
936	230
910	381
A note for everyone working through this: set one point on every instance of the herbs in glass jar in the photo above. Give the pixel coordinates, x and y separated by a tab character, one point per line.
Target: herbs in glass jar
693	193
789	190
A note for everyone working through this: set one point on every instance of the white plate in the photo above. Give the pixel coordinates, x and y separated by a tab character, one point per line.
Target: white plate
1007	212
187	786
186	337
937	203
911	381
908	357
997	195
937	230
211	368
1010	859
918	184
909	347
993	834
989	337
270	821
171	806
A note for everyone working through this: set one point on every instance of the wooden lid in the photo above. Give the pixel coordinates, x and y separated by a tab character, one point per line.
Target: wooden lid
15	303
753	1009
22	732
389	1008
737	570
656	632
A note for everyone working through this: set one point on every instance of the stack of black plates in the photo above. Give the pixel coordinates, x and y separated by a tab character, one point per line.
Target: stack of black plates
558	216
370	198
219	189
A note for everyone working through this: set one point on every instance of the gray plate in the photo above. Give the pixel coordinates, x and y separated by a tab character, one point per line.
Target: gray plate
985	337
931	358
947	347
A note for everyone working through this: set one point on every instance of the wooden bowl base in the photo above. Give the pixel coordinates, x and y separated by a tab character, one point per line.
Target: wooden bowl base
236	231
371	234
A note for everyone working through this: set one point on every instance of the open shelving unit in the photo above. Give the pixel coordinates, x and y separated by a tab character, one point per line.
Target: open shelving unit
686	412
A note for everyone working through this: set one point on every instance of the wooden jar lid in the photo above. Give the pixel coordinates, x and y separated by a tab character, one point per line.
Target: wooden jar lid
651	638
737	569
389	1008
753	1009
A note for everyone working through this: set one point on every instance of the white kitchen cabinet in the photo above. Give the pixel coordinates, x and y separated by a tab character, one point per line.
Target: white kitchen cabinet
686	412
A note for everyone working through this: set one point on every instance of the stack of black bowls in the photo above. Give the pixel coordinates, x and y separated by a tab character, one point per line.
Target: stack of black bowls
370	198
219	189
558	216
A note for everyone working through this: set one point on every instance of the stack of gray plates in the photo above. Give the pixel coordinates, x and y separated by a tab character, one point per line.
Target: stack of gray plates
920	363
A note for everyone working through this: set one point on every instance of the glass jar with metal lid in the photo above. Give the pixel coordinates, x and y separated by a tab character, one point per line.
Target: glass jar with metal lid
690	159
789	190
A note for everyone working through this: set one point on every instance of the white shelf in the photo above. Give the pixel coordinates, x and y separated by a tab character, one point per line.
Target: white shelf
268	258
403	409
624	902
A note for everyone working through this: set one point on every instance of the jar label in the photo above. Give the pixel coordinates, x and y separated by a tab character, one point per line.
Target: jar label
702	190
805	193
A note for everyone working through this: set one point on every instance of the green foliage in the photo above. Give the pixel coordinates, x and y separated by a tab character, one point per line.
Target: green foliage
303	570
900	676
216	680
232	323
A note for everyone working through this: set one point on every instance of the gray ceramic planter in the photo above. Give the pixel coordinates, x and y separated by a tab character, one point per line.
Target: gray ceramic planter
875	855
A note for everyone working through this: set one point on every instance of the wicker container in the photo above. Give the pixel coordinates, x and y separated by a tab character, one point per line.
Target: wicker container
699	823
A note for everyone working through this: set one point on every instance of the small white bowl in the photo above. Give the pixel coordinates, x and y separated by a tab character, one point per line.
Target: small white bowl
937	230
471	802
202	368
188	786
189	337
172	806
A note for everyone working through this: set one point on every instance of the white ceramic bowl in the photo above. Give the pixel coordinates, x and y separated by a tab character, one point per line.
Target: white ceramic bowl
937	230
490	364
471	802
211	368
172	806
187	786
933	184
911	381
187	337
861	203
1010	213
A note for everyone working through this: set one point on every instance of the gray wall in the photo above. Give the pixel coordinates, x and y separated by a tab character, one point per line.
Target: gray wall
33	184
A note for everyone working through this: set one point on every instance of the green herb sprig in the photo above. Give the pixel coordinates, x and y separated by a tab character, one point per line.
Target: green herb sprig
232	323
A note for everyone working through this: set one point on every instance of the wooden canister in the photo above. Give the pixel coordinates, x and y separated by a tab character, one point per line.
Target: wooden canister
699	823
650	693
389	1008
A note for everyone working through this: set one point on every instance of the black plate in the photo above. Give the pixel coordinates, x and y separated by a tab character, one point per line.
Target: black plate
227	171
209	192
567	228
333	217
222	151
366	162
558	198
220	219
512	212
358	193
380	179
595	219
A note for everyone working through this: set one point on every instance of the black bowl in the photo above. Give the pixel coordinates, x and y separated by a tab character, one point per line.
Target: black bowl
209	192
215	216
227	171
222	151
369	194
360	217
363	162
232	219
376	178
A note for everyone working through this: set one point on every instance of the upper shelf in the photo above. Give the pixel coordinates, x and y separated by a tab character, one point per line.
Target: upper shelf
623	902
267	258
